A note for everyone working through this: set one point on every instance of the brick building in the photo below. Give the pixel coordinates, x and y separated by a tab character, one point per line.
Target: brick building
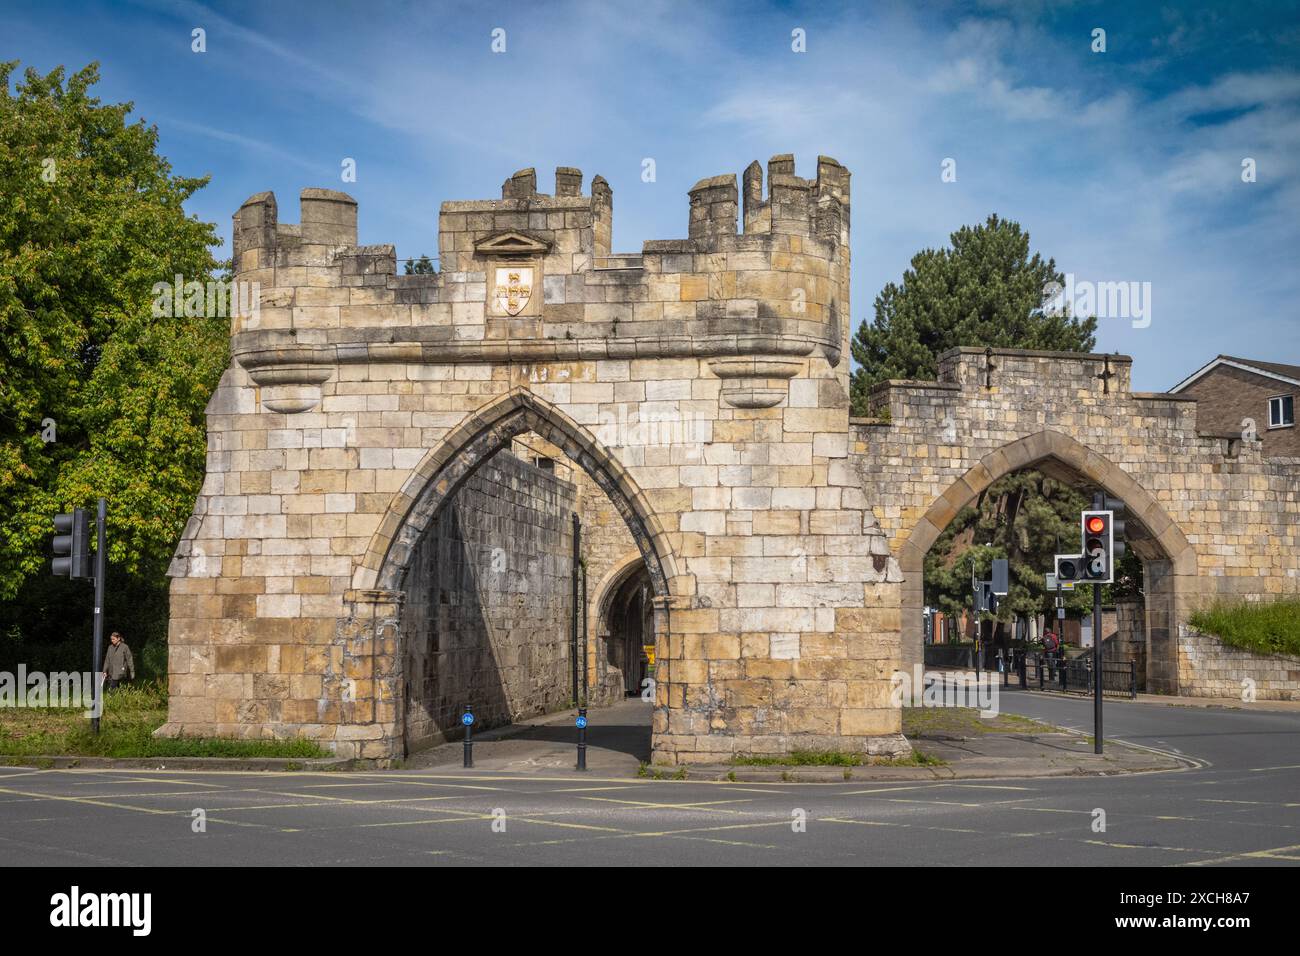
1234	395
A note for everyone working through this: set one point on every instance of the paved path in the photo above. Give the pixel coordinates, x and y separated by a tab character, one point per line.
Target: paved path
618	742
1242	806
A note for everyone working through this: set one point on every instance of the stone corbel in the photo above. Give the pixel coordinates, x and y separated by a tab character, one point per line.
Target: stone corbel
755	381
290	388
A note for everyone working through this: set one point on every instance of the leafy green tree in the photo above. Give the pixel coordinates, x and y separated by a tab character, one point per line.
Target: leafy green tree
984	290
91	219
420	267
1025	517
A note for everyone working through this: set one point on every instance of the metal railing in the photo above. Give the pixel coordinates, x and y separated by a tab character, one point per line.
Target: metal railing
431	260
1051	672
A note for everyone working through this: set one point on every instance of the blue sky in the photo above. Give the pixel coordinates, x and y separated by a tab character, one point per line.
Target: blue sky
1124	165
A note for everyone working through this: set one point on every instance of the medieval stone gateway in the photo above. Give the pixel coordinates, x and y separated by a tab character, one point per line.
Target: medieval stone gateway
1209	516
384	527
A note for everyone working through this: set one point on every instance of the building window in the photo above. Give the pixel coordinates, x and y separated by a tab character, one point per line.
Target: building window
1281	411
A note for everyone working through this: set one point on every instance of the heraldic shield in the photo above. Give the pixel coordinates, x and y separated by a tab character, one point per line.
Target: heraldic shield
513	288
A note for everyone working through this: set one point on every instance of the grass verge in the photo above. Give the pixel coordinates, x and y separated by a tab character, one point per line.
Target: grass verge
965	722
836	758
131	715
1263	628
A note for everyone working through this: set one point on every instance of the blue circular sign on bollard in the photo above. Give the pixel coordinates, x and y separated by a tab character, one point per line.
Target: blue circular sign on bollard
467	719
581	722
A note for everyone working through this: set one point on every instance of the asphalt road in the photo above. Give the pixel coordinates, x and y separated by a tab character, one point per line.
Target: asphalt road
1240	805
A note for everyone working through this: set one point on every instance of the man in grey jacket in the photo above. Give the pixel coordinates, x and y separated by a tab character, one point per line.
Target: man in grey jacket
118	665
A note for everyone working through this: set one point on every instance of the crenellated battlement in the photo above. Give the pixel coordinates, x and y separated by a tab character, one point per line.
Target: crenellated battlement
531	277
327	218
815	208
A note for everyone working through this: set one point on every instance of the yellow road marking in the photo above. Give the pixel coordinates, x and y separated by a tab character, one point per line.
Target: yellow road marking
421	823
1277	852
1253	803
329	803
1138	846
1053	810
906	826
90	801
648	805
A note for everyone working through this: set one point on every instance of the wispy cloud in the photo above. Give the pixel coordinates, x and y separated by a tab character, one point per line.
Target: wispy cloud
246	143
1123	165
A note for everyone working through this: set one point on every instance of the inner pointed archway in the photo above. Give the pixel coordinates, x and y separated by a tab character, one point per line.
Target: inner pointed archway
468	446
1168	558
498	633
621	616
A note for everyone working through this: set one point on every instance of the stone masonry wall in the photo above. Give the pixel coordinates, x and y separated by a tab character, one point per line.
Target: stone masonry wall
1210	518
489	603
1209	668
607	545
1130	640
703	383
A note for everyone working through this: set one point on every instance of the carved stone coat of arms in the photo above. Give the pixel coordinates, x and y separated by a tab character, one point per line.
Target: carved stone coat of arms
513	288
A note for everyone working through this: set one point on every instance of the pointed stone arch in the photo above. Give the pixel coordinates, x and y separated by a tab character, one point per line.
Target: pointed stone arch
1167	554
476	439
600	603
613	579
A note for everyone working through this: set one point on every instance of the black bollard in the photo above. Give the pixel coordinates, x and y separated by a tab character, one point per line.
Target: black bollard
468	720
582	738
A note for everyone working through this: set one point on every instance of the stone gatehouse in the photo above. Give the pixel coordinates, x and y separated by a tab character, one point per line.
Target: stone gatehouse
382	530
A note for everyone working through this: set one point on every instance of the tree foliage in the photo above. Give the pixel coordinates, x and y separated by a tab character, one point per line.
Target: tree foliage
984	290
1025	517
91	218
422	266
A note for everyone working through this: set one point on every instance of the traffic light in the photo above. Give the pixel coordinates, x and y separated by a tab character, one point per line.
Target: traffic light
1000	580
1098	547
72	545
1069	568
1103	539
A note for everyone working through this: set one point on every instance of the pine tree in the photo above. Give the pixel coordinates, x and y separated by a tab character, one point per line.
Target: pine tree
984	290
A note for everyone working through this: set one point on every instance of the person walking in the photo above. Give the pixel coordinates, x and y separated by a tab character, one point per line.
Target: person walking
118	664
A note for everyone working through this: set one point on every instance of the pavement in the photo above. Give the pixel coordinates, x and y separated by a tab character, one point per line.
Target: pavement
1235	800
618	744
1231	703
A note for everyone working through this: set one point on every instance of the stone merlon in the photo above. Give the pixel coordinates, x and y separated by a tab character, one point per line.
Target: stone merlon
778	290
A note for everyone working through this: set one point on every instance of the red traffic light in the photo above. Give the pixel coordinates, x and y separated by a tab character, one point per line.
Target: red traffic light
1096	524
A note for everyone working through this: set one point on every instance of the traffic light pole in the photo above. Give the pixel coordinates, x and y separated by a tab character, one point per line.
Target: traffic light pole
1096	666
1098	504
101	565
